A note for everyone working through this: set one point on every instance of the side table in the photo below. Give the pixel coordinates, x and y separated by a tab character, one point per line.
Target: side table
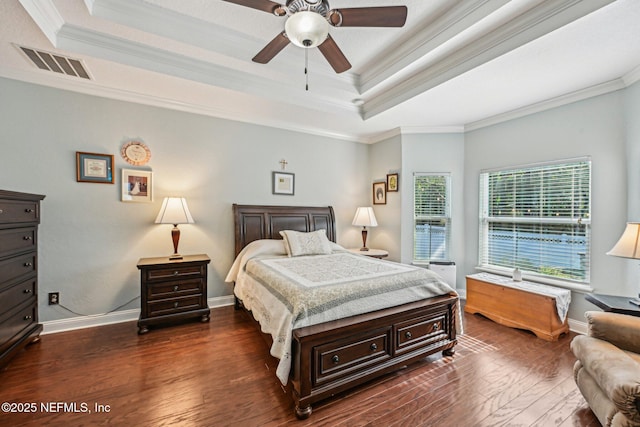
614	304
374	253
172	290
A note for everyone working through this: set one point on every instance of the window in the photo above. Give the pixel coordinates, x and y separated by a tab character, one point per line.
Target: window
537	218
432	216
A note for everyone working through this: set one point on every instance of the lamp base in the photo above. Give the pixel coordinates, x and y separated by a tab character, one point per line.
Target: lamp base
364	248
176	256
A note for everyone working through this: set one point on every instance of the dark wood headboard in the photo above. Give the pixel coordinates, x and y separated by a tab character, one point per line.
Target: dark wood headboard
254	222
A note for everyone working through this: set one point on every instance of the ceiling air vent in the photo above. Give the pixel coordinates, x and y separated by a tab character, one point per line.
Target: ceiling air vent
56	63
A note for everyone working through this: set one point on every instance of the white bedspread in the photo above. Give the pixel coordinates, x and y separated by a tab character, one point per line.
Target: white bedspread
286	293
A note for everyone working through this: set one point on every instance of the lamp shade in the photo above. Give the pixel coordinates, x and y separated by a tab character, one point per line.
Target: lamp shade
365	217
628	245
174	210
306	29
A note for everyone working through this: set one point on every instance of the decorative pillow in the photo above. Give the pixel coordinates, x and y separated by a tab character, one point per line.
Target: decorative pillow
298	243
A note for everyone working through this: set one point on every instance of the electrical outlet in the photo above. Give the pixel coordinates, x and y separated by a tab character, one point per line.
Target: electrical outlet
54	298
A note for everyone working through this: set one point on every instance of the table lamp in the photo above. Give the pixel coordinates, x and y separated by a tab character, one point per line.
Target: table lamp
174	211
364	217
628	246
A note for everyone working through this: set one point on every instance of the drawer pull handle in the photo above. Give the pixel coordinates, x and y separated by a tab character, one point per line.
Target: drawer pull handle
335	359
373	347
436	326
1	211
28	210
27	291
26	238
28	264
175	305
27	317
175	273
408	335
175	288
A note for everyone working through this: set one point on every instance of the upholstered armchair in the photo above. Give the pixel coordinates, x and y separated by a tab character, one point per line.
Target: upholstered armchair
607	371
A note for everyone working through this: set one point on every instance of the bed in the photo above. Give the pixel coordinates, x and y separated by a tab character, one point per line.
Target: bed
327	347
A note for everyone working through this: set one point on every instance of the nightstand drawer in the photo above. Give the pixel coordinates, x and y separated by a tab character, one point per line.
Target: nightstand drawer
17	240
176	305
174	289
175	272
15	211
420	332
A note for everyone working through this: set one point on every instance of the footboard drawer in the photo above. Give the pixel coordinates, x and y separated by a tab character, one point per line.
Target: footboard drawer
420	332
344	357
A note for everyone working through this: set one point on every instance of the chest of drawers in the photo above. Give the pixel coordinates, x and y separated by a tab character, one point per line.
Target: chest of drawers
172	290
19	219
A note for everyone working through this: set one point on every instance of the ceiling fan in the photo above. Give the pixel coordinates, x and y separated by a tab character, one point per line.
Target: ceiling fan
308	21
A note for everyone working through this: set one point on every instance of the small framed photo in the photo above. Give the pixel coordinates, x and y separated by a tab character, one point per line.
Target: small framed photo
379	193
283	183
137	186
94	167
392	182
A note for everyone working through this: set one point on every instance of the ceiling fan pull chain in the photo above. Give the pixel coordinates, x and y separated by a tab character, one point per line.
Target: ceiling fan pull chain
306	68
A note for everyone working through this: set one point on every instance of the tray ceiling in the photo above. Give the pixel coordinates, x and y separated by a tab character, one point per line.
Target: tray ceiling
453	66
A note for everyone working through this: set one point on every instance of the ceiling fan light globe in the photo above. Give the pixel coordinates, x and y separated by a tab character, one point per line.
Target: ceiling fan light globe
306	29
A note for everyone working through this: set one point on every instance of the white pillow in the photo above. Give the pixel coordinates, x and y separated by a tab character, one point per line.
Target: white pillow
298	243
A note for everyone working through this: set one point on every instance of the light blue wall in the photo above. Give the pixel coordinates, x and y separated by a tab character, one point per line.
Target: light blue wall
90	241
593	127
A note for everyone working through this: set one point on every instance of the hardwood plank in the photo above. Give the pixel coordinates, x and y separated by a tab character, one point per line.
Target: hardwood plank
221	373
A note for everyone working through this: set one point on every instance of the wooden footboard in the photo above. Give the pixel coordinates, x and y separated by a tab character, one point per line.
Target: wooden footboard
336	356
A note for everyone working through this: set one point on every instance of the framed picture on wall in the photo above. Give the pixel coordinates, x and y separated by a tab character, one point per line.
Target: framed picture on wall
94	167
283	183
392	182
379	193
137	186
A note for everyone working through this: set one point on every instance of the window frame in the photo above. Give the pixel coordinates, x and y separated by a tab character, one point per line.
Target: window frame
485	219
447	218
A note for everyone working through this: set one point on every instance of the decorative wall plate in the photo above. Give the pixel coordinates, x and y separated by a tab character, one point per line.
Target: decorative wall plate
136	153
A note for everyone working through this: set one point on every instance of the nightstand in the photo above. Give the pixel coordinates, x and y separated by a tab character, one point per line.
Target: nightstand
172	290
614	304
374	253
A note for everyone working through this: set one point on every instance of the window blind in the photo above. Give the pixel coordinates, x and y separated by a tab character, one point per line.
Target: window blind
432	217
538	218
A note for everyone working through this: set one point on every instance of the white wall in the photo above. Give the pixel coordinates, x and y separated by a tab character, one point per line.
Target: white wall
435	153
593	127
632	133
386	157
90	241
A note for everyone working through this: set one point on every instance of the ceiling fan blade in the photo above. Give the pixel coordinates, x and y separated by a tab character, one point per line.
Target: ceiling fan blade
334	55
390	16
264	5
272	49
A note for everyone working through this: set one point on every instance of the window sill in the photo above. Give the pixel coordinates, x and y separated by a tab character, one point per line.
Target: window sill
572	286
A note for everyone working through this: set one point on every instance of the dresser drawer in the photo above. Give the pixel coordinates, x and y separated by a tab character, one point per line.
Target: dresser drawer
175	272
423	331
14	322
17	240
13	268
16	211
174	306
174	289
17	294
345	357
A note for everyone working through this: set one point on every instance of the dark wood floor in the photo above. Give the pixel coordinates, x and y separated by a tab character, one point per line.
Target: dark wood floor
220	374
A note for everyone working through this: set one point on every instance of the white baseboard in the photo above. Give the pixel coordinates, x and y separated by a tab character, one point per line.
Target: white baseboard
70	324
578	327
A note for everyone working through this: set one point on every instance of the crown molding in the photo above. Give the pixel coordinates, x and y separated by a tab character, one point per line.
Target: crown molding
431	35
542	19
569	98
631	77
46	16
